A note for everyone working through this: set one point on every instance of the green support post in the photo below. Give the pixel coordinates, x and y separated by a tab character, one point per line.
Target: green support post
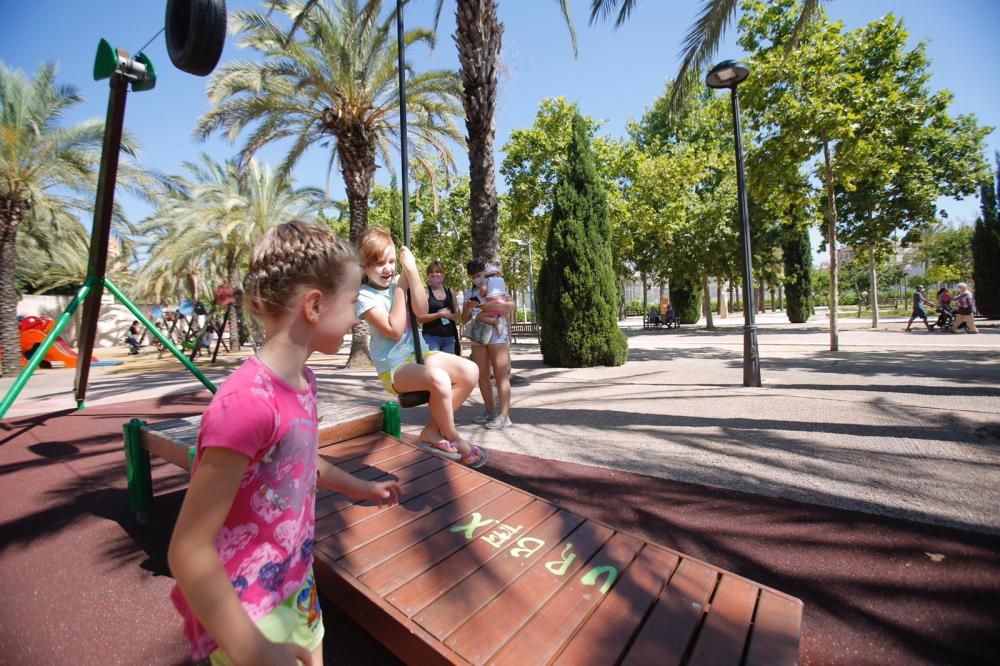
47	343
164	340
391	424
138	474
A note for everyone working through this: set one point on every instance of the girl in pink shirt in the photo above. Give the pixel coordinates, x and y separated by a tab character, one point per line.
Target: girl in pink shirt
242	548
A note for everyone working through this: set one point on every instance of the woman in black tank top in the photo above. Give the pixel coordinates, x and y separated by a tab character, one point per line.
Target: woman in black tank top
439	328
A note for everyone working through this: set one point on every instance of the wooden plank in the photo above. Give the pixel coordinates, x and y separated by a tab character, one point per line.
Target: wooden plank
452	609
543	635
724	633
606	634
347	429
362	559
665	636
331	502
364	451
777	626
166	448
381	469
418	558
493	625
439	579
367	523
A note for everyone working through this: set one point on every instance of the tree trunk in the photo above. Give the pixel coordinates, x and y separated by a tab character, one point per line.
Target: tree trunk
874	286
761	302
831	222
722	295
645	297
232	323
707	306
781	295
478	35
11	213
356	150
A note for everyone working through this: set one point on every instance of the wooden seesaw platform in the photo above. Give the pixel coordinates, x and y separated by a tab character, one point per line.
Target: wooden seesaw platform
468	569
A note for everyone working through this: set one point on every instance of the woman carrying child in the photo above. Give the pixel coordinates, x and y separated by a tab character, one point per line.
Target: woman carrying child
448	378
493	356
242	547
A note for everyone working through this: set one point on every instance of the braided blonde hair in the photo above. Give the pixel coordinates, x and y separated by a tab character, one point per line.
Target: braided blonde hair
289	257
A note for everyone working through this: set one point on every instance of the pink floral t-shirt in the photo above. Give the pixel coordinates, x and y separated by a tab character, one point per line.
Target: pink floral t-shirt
266	541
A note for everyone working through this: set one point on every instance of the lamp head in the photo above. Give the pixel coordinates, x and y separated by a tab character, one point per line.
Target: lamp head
727	74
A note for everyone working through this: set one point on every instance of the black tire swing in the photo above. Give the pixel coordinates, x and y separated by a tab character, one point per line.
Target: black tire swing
195	34
413	398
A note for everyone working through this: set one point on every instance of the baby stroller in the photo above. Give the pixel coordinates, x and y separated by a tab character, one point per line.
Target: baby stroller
946	318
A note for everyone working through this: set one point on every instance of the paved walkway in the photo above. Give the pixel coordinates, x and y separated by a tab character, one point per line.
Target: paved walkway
895	424
898	424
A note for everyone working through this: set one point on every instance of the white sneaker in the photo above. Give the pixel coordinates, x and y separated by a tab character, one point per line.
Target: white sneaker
500	421
484	417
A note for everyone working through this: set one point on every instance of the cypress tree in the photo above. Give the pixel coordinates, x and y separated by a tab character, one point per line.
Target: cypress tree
986	251
797	253
686	297
577	289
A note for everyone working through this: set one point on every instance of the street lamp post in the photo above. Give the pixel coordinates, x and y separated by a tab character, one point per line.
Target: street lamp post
730	74
531	278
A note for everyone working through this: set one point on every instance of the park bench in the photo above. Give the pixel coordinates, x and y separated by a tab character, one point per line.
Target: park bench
654	321
468	569
524	329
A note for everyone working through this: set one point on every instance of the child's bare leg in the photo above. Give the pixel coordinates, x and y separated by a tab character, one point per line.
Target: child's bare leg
317	656
500	361
415	377
463	372
481	356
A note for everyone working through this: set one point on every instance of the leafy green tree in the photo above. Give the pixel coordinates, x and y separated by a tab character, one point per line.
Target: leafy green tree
986	249
577	292
948	255
910	152
533	159
683	195
685	296
334	81
48	172
797	254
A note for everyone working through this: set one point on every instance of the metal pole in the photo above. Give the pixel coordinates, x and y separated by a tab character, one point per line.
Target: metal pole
531	285
404	166
751	357
101	230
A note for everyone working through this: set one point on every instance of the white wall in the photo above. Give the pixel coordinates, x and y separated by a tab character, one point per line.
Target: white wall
111	327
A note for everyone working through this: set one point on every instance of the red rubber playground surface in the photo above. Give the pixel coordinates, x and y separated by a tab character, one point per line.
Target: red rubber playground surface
82	583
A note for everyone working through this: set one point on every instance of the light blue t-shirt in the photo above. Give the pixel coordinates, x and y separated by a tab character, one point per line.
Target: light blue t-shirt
386	354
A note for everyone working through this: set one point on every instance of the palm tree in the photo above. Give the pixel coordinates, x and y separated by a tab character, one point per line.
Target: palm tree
702	40
46	171
208	221
334	82
54	254
478	35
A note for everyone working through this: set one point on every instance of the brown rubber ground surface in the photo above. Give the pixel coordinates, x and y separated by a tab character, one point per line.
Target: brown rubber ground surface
82	583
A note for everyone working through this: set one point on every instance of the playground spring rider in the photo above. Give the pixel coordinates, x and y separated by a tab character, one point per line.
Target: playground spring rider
195	34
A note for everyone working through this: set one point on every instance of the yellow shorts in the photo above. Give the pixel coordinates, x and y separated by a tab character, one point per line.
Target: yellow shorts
297	619
389	376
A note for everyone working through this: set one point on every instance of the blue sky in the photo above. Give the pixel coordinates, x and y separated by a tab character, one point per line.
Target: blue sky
616	76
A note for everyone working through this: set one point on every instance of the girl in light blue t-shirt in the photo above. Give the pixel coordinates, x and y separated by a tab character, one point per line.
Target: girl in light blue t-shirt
448	378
